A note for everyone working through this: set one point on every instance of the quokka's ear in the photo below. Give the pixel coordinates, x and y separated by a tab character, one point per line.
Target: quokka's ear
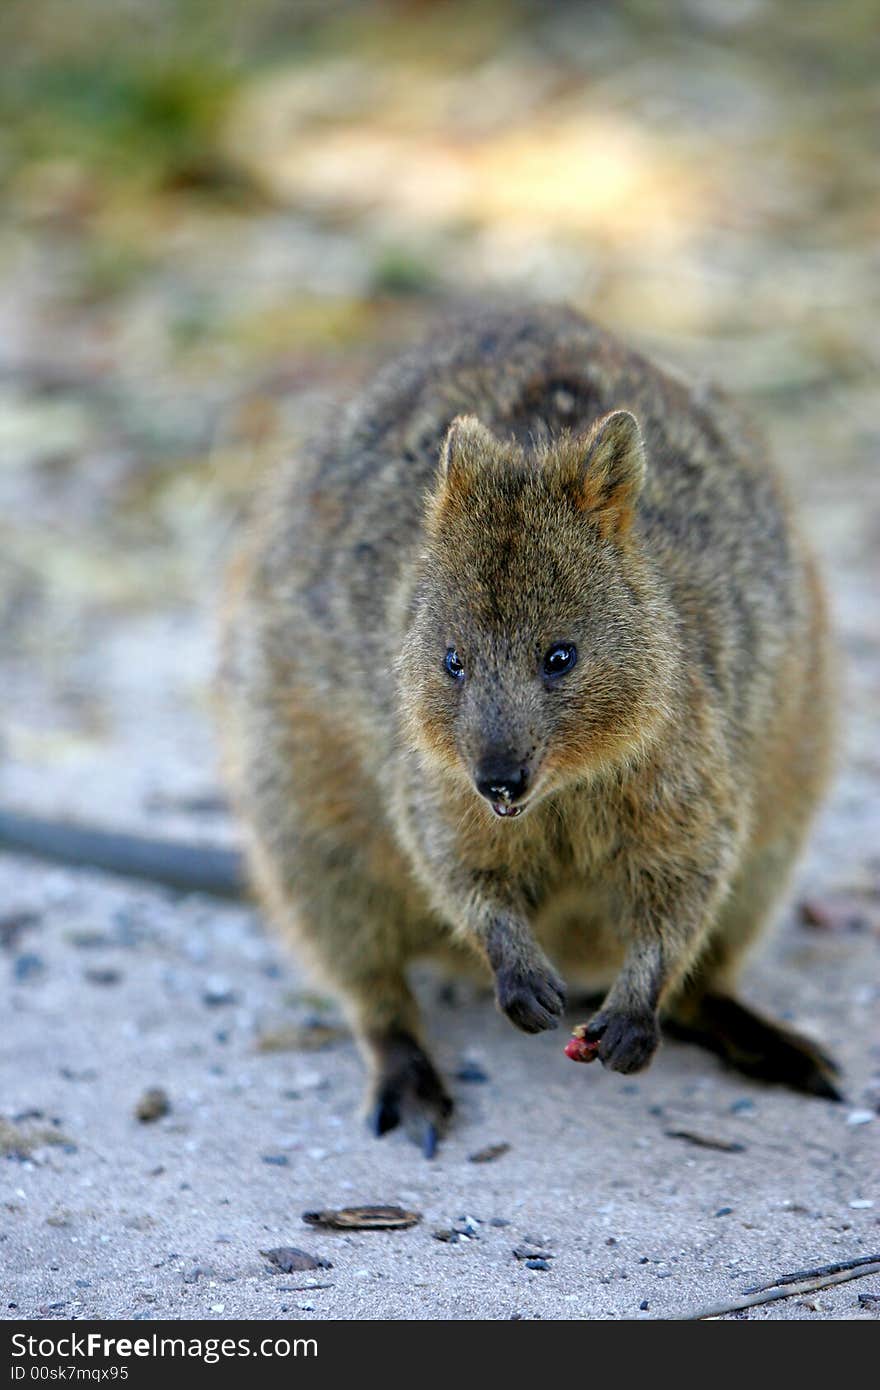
466	449
613	471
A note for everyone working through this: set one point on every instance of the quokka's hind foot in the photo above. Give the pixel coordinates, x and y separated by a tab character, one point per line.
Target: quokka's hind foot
407	1089
756	1046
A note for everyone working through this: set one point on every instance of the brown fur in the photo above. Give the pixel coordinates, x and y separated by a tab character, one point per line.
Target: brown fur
524	480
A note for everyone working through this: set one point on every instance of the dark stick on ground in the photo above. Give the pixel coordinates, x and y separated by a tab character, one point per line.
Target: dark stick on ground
771	1294
186	867
817	1273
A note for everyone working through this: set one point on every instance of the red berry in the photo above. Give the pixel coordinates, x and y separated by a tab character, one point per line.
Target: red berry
582	1050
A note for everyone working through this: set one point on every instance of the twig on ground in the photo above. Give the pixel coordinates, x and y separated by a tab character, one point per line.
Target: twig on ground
816	1273
770	1293
706	1141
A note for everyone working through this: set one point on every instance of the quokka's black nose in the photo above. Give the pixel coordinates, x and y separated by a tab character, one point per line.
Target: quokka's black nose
504	784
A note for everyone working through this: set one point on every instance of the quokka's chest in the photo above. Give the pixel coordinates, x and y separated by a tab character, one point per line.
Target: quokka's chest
561	857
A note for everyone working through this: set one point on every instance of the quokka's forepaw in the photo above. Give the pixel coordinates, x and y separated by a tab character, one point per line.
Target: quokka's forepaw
408	1091
533	999
626	1042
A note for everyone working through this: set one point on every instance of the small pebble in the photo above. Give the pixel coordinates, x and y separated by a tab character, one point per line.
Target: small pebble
13	924
469	1226
860	1117
861	1203
152	1105
311	1081
471	1073
128	928
537	1264
278	1160
288	1259
28	967
89	940
217	993
724	1211
97	976
489	1154
643	1306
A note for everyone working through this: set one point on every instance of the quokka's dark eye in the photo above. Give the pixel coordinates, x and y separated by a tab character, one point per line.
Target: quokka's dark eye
453	665
559	659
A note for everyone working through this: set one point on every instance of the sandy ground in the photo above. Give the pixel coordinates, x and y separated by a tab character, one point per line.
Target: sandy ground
161	342
109	989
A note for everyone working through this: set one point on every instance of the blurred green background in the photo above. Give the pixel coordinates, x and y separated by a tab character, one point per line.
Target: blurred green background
215	216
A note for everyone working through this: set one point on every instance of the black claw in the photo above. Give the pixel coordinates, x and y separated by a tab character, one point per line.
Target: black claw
823	1086
828	1062
429	1143
531	1017
384	1116
408	1092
